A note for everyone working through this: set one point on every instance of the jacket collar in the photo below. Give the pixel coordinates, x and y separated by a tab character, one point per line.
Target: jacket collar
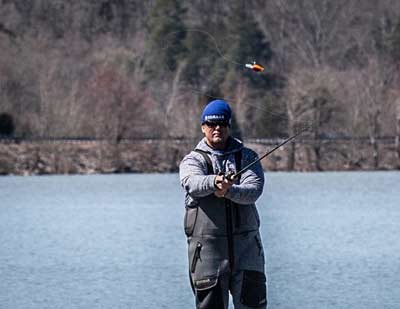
234	145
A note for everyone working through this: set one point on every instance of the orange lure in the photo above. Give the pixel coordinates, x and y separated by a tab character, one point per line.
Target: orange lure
255	66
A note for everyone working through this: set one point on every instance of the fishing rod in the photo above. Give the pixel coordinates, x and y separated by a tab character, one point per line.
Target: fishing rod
231	175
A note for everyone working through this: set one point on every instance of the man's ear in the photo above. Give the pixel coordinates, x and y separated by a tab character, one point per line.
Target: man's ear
202	129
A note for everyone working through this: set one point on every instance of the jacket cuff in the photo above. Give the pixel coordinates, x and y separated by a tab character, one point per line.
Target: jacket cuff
211	182
233	193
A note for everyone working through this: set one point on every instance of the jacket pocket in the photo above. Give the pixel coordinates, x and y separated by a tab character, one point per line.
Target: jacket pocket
254	289
208	257
190	220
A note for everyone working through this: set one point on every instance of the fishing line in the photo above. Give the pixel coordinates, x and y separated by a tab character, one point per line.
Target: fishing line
304	125
233	100
254	66
300	126
210	36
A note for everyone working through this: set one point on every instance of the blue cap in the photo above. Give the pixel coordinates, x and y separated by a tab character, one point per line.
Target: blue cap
217	111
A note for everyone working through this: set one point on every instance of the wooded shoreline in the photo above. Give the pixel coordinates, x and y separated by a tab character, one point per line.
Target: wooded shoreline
84	156
134	69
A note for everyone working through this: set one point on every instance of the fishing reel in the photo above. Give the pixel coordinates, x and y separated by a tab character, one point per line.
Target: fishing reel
229	175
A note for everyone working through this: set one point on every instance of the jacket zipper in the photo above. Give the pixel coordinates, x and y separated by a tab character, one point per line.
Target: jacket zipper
196	257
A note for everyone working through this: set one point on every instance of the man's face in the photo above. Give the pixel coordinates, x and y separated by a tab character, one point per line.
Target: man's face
216	134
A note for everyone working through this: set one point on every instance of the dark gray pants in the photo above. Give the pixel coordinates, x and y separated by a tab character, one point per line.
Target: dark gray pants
218	267
248	290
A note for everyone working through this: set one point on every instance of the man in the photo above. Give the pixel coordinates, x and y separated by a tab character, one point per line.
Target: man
221	219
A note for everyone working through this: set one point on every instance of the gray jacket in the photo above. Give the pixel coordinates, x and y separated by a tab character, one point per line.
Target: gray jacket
206	213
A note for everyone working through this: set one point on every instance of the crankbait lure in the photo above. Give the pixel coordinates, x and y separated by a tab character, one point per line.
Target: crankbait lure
255	67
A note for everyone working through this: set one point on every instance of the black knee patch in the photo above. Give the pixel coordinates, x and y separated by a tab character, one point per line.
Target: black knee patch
254	289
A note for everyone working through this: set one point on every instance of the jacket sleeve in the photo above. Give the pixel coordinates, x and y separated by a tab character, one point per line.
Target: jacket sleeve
193	176
251	183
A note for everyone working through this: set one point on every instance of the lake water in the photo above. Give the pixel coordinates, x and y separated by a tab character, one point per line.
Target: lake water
332	240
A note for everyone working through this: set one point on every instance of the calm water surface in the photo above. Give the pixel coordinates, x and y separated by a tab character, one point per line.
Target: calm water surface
331	241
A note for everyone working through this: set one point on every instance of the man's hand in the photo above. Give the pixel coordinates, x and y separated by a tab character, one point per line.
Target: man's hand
222	185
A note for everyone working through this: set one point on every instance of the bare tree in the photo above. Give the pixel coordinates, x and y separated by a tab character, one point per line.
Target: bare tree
397	140
311	101
308	33
371	87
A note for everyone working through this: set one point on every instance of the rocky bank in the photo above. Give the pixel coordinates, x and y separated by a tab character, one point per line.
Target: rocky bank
160	156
